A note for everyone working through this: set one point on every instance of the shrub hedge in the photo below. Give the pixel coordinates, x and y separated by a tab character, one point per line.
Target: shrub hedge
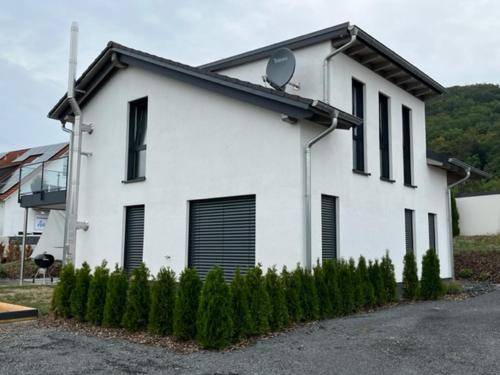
217	313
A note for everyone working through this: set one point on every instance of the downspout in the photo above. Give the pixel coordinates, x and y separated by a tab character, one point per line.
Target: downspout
467	169
307	203
326	67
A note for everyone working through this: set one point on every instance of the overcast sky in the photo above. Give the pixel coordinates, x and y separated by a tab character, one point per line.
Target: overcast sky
454	41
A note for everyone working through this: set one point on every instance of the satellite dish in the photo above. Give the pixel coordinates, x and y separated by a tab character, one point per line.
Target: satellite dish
280	68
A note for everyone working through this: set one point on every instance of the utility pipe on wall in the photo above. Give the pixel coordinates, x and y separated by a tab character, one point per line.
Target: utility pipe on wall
307	203
23	249
326	67
467	168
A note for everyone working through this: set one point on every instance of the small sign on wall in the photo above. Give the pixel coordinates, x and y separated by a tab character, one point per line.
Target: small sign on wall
40	222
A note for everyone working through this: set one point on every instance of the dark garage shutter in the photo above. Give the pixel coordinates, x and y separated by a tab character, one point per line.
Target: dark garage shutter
409	230
329	226
222	232
134	237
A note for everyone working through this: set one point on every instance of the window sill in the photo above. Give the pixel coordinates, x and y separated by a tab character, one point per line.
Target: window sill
411	186
138	179
387	179
362	173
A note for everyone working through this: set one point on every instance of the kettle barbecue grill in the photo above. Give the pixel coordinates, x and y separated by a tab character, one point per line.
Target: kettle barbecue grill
43	261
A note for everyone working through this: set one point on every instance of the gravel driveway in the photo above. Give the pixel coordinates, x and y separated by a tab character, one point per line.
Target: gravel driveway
444	337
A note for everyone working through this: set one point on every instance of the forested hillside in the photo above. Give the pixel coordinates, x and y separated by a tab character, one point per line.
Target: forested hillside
465	123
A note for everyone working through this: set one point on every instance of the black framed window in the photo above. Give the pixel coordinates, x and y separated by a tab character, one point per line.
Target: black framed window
137	139
407	147
329	226
409	238
134	237
358	136
385	168
432	231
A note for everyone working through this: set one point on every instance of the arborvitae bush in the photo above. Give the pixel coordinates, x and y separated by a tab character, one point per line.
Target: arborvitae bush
116	298
368	291
61	300
331	279
292	282
161	312
410	277
79	294
97	294
455	217
258	301
389	277
186	304
242	321
278	318
309	296
138	300
377	282
214	323
431	286
357	285
325	304
346	288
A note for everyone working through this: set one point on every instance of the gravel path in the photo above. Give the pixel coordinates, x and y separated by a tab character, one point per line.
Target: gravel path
444	337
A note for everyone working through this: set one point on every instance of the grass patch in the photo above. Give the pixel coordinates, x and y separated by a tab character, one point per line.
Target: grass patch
464	244
36	296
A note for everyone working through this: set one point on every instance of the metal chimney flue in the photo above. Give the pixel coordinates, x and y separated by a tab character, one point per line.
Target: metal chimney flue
72	224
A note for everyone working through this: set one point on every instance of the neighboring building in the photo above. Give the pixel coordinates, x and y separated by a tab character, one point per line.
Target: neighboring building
190	167
479	213
28	165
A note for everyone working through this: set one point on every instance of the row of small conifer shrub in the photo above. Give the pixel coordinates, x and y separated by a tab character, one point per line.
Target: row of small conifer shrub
217	313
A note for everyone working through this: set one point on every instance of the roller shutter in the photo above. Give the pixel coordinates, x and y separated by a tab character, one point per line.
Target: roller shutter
222	232
329	226
134	237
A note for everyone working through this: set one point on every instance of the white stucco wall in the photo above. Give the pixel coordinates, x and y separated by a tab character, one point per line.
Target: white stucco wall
479	215
371	211
199	145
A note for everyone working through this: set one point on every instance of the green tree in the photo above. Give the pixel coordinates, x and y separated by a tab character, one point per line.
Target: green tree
346	287
214	323
97	294
389	277
410	277
431	286
258	301
325	303
308	296
61	300
242	321
332	283
292	282
79	294
278	318
161	312
116	298
368	291
138	300
359	293
377	282
186	304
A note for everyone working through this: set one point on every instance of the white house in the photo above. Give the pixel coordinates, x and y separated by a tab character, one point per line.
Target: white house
196	166
24	175
479	213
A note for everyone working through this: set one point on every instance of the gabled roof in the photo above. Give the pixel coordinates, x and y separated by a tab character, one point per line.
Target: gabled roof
366	50
115	57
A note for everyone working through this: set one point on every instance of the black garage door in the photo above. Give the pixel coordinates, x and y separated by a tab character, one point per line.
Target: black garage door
222	232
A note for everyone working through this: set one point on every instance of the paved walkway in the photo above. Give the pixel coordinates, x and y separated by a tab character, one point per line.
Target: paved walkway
441	337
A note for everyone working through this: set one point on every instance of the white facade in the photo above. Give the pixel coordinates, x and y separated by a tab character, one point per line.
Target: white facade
479	214
205	145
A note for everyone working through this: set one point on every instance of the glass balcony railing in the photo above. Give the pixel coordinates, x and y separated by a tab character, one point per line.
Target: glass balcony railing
47	176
